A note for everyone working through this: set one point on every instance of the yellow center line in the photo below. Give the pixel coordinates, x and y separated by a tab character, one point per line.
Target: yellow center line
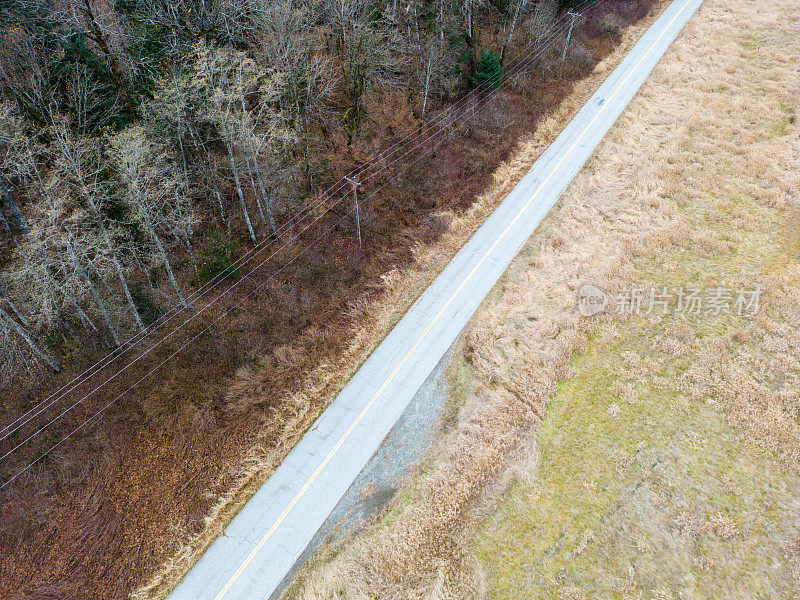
433	322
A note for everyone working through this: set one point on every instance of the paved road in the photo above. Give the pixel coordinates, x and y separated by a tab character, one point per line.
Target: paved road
261	545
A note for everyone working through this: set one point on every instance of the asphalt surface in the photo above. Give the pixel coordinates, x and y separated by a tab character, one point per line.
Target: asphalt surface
261	546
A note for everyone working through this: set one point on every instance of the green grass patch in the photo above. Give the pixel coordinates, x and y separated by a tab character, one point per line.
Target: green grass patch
640	491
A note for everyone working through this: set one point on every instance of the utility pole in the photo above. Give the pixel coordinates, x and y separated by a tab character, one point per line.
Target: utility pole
356	185
569	34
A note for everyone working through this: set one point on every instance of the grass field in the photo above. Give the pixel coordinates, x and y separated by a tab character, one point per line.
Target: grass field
666	461
642	491
643	455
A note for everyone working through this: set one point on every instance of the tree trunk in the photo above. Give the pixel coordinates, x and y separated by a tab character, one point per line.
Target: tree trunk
113	65
110	244
22	319
183	156
211	175
40	354
4	296
87	322
17	218
270	221
85	319
167	265
257	192
153	290
239	191
100	304
128	295
4	221
427	87
222	216
520	4
469	40
252	164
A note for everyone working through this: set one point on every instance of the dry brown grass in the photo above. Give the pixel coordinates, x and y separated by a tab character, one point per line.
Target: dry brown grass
698	184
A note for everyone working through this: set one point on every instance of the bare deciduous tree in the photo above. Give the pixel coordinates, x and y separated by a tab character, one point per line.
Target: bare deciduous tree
359	42
79	158
100	23
240	98
16	356
288	42
26	72
149	190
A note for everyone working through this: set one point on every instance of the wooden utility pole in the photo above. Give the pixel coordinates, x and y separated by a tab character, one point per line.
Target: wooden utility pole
569	34
356	185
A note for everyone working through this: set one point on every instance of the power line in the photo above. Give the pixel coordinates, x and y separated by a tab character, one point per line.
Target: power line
284	227
220	277
253	270
226	291
467	112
